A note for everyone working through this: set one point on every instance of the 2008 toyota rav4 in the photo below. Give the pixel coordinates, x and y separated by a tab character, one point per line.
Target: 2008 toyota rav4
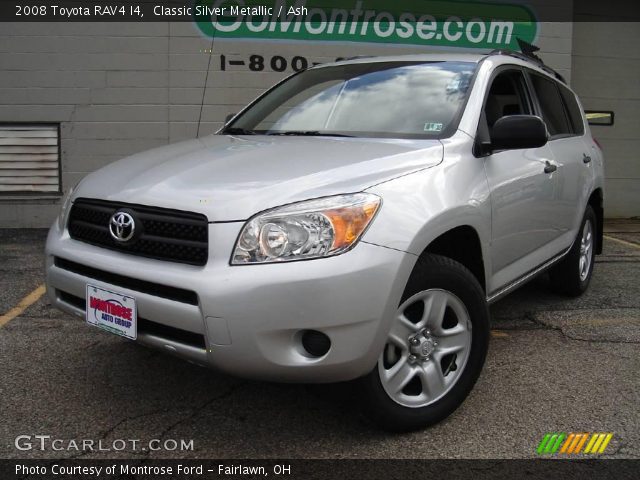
353	222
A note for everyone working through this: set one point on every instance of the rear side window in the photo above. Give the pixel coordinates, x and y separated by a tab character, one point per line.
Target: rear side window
575	114
553	112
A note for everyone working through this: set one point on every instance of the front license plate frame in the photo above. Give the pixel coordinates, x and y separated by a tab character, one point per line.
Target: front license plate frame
111	311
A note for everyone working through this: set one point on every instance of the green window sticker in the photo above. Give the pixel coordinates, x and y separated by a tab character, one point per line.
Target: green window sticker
433	127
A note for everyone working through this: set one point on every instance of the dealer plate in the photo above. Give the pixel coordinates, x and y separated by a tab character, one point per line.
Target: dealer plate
112	311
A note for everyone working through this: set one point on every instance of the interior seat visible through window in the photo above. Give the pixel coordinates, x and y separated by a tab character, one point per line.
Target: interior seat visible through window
506	97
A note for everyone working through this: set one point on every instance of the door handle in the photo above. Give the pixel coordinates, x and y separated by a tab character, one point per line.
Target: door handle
586	158
550	168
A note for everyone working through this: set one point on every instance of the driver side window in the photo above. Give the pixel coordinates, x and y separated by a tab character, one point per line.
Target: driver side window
507	96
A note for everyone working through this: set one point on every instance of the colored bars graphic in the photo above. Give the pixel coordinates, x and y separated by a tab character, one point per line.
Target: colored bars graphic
573	443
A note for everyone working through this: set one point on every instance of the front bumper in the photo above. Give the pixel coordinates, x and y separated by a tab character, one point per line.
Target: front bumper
248	317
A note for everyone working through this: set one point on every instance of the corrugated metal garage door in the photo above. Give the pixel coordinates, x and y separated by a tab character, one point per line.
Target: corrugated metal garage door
29	158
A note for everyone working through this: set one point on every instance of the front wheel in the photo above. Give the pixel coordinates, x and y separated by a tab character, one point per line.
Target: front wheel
435	348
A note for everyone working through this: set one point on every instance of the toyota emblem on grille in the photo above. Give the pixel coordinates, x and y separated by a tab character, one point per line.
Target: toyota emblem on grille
122	226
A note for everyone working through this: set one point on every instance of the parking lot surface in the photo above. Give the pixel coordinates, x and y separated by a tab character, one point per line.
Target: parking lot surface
554	365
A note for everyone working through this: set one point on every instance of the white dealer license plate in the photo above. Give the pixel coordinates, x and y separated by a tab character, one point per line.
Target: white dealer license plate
112	311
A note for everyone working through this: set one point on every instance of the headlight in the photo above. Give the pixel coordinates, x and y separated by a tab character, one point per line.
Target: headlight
66	202
311	229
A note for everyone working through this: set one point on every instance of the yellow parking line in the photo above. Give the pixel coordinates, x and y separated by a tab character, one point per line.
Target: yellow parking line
25	303
624	242
499	334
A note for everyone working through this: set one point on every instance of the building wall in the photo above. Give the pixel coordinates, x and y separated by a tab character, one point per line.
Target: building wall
606	75
120	88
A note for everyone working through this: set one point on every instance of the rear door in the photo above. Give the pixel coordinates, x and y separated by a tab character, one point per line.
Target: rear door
558	107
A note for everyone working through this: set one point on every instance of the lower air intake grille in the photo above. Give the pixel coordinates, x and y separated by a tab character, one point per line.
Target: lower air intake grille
171	293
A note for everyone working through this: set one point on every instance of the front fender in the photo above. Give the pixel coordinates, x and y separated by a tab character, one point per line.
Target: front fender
420	207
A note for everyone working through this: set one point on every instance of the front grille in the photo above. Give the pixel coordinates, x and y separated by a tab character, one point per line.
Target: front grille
147	326
164	291
160	233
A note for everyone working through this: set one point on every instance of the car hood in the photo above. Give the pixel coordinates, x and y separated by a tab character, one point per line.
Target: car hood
231	178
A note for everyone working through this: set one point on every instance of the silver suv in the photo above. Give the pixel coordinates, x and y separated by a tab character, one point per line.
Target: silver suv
352	223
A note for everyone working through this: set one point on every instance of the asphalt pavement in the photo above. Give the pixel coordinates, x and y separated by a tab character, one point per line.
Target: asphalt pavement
554	365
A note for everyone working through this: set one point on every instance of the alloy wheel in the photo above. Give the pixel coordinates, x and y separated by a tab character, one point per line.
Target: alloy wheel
586	247
427	348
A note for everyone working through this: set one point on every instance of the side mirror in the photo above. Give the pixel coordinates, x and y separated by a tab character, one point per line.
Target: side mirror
229	117
516	132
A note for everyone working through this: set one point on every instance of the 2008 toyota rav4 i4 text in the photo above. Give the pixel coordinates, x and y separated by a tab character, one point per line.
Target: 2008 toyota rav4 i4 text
352	223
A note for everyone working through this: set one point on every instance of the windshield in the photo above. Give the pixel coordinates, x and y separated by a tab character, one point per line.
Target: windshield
386	99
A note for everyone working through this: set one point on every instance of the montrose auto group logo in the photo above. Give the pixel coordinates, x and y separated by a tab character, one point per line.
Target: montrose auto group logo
111	311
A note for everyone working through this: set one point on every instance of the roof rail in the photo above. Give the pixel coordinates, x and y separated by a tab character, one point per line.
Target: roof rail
354	57
528	55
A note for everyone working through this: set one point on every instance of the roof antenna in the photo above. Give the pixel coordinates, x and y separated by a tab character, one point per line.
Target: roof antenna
206	80
528	49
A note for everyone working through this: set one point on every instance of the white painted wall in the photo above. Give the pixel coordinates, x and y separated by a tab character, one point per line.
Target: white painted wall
606	75
120	88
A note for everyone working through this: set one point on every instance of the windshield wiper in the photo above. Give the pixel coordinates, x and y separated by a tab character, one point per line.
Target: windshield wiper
238	131
309	133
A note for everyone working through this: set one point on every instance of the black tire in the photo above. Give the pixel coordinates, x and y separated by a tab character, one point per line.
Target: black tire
431	272
565	276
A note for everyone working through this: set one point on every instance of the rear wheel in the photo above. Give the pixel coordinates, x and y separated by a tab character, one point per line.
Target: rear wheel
572	275
435	349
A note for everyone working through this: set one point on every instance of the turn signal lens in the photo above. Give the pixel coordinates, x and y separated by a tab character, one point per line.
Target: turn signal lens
64	211
349	223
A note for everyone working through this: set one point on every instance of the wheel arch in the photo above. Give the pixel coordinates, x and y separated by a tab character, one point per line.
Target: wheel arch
596	201
462	244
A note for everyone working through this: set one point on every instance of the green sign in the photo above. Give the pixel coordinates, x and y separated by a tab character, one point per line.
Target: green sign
469	24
